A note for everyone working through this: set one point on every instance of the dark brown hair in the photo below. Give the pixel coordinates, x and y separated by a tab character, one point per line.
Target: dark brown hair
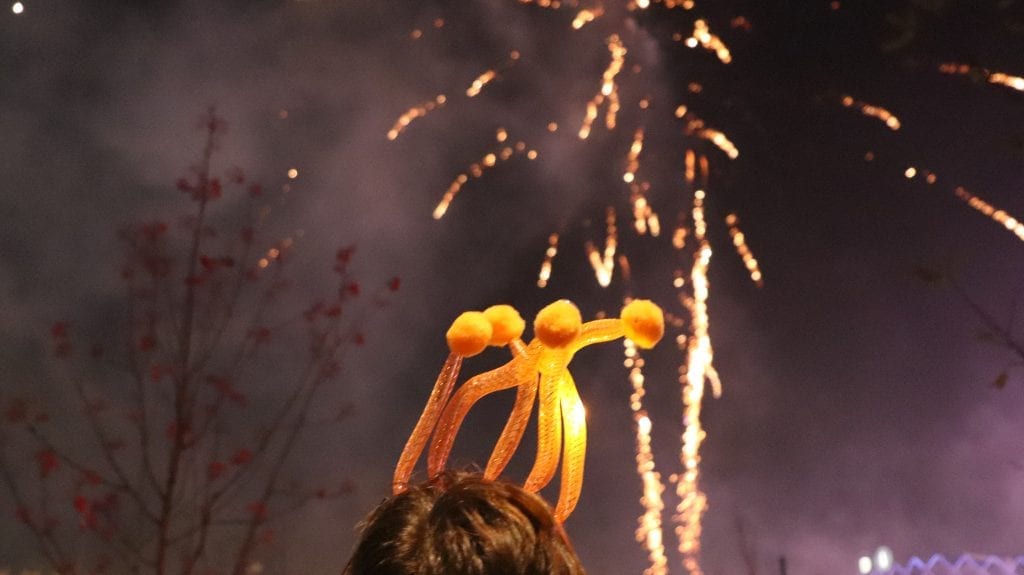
462	524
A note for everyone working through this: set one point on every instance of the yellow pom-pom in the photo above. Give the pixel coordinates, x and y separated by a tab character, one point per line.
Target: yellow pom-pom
469	333
506	324
643	322
558	324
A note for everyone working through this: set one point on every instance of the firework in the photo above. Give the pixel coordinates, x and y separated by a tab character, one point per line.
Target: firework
478	84
999	78
605	106
545	266
696	127
873	111
703	37
739	240
649	530
1006	220
411	114
633	158
604	262
476	169
609	89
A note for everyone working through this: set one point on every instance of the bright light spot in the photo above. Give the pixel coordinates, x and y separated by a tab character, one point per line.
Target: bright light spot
644	423
292	174
883	558
911	172
552	127
864	565
17	7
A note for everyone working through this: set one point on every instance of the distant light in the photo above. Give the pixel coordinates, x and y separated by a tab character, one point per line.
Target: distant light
17	7
883	558
293	173
911	172
864	565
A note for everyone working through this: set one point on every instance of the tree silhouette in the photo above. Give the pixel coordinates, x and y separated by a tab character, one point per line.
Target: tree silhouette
179	453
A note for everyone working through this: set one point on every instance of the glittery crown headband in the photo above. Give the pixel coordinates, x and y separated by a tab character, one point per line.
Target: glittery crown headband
539	371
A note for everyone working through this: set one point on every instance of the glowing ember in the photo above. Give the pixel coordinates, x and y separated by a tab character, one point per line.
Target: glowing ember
586	16
739	240
481	81
609	89
873	111
1009	222
1001	78
476	170
697	128
545	266
644	218
604	263
649	530
633	158
411	114
703	37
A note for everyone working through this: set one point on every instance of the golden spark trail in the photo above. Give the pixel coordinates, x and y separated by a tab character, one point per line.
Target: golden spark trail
644	217
698	370
633	157
479	83
411	114
551	4
1009	222
545	266
604	264
703	37
1000	216
873	111
609	89
649	530
586	16
1001	78
1014	82
739	240
476	170
697	128
679	238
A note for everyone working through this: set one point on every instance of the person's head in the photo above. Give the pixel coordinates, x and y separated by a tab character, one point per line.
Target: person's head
462	524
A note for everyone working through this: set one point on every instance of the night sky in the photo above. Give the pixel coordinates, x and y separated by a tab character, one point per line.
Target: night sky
859	407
